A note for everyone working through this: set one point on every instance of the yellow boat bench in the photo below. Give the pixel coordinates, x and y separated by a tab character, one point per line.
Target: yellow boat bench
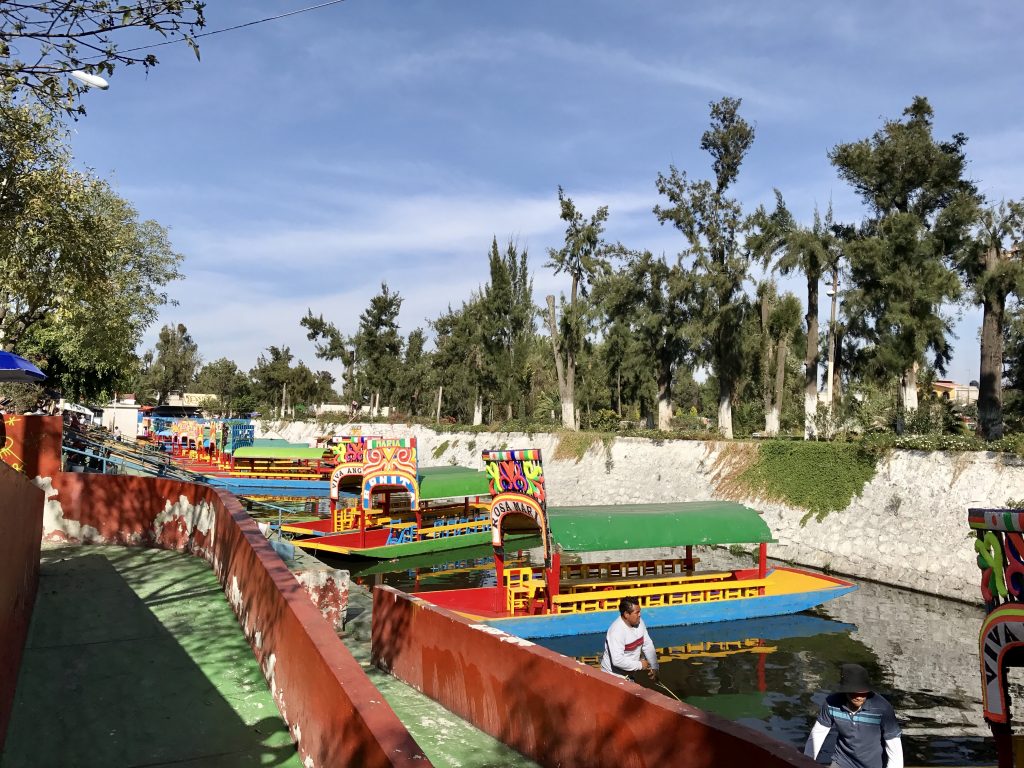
699	590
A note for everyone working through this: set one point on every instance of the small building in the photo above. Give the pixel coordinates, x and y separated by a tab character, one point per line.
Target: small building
961	394
122	413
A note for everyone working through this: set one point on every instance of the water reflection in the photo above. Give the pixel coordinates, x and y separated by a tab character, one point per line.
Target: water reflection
773	674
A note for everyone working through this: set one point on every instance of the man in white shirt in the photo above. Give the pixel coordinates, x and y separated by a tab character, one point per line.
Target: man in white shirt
627	646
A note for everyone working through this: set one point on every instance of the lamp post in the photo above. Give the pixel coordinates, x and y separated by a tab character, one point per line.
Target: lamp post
834	293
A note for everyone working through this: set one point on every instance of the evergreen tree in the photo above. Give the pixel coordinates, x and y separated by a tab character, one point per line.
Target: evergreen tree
651	302
174	363
458	360
781	243
780	319
920	210
508	326
992	267
224	381
378	346
713	224
583	258
415	390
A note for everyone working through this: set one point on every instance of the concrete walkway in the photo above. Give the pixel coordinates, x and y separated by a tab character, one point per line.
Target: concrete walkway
134	658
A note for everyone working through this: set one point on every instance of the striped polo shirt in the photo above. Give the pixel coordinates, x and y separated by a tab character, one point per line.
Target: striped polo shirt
861	736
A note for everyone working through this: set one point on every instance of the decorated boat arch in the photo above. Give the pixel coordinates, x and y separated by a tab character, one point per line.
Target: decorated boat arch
559	598
999	545
405	510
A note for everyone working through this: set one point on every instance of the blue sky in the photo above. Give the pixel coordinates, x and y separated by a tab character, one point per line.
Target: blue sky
303	161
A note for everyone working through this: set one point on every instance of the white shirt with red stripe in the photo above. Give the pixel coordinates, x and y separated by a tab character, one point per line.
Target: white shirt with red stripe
623	645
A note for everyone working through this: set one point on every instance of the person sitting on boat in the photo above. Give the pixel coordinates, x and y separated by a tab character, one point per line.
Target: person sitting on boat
627	646
868	735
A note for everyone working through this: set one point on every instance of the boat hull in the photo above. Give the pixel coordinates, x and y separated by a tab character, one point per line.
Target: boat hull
787	591
562	624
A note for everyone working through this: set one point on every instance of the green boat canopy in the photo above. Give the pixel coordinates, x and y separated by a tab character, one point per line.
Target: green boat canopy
452	483
643	526
286	452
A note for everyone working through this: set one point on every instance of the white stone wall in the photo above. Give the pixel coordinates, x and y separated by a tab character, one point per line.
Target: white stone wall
907	529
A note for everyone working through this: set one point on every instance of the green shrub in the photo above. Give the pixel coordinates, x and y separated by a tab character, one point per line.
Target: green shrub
819	477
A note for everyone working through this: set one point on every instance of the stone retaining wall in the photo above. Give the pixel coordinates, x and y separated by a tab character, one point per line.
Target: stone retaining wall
907	529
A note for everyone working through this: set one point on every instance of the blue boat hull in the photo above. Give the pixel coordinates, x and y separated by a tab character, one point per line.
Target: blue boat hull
560	625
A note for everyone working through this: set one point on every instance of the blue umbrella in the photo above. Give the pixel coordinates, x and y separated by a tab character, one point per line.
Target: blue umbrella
18	369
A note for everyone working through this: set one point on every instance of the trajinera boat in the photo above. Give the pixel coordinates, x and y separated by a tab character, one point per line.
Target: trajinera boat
562	598
402	509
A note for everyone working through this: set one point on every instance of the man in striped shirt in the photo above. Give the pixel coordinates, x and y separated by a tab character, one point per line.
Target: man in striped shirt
627	646
868	735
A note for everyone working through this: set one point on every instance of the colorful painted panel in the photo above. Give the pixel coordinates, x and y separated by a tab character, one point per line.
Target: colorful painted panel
390	464
996	519
242	435
1001	632
517	488
351	453
31	444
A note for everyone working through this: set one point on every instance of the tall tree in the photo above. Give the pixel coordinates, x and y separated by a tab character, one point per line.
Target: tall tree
174	363
993	267
458	360
921	207
780	242
271	377
378	345
81	277
224	381
583	258
416	379
654	301
41	42
713	224
780	320
508	326
332	344
373	356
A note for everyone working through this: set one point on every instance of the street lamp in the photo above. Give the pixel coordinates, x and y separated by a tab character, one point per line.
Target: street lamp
89	80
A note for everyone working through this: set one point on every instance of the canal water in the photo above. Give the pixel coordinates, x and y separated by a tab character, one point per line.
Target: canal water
773	674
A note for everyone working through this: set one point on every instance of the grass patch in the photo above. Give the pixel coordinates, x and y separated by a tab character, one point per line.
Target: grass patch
574	445
819	477
440	449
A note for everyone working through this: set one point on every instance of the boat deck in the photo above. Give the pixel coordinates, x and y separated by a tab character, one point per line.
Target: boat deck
135	658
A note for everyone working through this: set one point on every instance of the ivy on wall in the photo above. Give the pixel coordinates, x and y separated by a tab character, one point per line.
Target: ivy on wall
816	476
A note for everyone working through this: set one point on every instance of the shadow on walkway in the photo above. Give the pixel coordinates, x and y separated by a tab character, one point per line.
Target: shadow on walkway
134	658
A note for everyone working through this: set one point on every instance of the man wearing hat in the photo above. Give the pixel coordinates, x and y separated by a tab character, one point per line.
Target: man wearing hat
867	734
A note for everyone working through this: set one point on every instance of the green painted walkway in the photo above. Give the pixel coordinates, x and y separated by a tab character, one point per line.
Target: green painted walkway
134	658
448	740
